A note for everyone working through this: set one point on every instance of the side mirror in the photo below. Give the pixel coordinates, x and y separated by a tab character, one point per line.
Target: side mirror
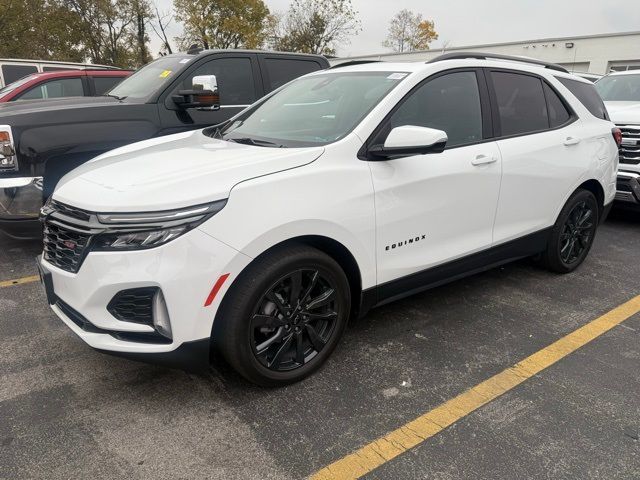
410	140
203	94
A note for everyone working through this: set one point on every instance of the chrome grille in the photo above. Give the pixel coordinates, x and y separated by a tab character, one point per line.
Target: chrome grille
630	148
64	247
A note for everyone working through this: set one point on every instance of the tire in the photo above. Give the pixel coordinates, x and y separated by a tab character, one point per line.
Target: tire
573	233
283	316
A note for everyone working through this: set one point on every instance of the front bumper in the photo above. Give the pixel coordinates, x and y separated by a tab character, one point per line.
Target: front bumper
184	269
628	189
20	202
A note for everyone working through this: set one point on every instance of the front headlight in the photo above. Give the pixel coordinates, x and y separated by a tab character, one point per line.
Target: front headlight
136	231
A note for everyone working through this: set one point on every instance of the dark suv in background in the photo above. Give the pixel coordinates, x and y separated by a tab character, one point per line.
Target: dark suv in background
42	141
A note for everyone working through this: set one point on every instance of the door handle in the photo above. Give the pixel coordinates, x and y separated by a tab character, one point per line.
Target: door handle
571	141
483	160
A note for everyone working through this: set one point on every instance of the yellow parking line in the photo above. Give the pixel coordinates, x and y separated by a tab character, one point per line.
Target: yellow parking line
18	281
383	449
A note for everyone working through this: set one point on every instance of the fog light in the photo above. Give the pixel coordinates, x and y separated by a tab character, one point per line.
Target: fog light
7	162
161	315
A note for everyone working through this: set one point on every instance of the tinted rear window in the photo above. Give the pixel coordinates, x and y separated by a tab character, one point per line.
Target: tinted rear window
283	70
558	113
521	103
104	84
588	96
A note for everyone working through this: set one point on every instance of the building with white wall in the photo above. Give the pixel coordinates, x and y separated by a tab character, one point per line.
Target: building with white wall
598	54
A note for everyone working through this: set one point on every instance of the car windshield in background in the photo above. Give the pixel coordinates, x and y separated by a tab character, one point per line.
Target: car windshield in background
149	78
619	88
314	110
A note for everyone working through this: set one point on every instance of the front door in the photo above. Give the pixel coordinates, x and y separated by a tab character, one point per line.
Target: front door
437	207
239	86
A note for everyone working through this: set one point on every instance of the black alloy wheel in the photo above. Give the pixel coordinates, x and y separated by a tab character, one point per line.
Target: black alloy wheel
577	232
293	320
283	316
572	235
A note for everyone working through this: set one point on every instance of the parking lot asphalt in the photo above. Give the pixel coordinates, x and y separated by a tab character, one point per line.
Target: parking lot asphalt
69	412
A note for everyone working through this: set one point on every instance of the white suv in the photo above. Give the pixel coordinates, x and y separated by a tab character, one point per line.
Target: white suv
621	94
345	189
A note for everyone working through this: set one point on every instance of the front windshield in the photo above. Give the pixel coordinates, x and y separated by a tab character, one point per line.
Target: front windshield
149	78
619	88
314	110
18	83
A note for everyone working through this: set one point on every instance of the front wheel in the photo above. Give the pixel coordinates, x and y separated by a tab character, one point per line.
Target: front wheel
283	316
573	233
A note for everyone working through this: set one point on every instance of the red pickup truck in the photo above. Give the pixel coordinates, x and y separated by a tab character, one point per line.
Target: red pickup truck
63	83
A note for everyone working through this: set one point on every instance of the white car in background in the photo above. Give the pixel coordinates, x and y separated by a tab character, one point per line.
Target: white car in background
345	189
621	94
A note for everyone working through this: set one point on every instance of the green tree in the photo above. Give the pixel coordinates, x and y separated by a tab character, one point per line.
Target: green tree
222	23
113	31
314	26
22	35
408	31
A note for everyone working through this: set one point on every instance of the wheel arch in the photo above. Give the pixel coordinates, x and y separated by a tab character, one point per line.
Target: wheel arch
596	188
334	249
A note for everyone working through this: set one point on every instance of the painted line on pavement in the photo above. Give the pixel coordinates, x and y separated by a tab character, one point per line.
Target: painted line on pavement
415	432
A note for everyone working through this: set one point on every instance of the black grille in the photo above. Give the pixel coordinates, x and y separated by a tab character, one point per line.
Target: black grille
623	186
87	326
69	211
64	247
133	305
630	148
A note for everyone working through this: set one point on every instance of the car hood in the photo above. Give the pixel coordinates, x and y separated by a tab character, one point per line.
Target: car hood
624	112
172	172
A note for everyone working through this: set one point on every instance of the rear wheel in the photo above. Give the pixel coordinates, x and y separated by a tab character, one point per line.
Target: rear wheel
573	234
284	316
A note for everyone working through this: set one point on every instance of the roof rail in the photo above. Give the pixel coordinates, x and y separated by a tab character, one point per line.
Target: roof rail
354	62
496	56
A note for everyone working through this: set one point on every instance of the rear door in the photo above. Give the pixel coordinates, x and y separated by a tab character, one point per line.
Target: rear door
542	149
438	207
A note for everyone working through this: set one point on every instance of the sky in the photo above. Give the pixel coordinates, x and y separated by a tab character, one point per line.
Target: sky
468	22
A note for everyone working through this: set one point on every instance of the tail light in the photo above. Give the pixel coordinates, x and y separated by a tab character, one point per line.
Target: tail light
617	136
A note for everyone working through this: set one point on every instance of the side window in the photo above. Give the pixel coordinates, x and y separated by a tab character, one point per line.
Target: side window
588	96
63	87
104	84
283	70
35	93
234	76
558	113
521	103
11	73
450	102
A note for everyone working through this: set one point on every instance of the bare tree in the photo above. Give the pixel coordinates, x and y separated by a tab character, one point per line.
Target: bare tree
314	26
408	31
159	24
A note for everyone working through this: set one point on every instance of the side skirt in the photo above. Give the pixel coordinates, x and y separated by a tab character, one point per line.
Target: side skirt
463	267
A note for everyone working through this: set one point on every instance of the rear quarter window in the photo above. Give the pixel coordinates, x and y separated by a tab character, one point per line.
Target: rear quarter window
588	96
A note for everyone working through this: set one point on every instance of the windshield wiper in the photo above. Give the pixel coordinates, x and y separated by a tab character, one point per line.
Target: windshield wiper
114	96
253	141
